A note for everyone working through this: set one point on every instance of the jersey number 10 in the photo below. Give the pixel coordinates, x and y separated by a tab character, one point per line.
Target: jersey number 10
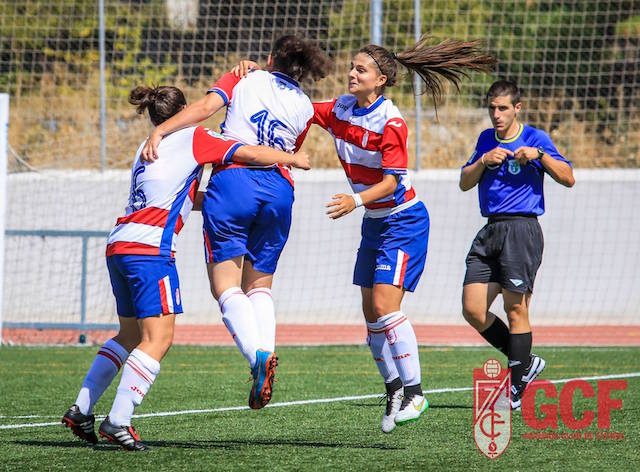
261	119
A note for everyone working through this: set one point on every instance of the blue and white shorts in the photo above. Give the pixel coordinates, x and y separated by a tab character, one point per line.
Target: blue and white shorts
144	286
393	249
247	212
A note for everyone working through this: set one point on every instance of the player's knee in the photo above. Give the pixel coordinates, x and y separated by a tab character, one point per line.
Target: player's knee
475	318
382	308
128	340
516	312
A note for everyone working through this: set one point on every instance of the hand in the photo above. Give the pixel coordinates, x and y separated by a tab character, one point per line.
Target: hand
494	158
301	160
242	69
340	205
524	154
150	149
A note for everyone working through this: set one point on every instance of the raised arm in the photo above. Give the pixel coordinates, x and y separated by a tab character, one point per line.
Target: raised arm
560	171
189	116
554	163
471	173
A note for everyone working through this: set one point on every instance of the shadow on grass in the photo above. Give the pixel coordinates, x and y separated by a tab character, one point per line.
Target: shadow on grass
431	406
446	407
213	444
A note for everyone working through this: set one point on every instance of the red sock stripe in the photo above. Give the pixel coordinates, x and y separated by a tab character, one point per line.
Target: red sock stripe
387	327
111	357
259	290
239	292
138	370
114	353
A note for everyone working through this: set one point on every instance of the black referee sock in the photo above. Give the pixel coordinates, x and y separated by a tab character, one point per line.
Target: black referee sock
519	352
498	335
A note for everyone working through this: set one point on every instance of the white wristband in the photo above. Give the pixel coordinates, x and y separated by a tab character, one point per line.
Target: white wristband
357	198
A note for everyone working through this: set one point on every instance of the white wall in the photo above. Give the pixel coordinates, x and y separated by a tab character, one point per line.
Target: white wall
590	271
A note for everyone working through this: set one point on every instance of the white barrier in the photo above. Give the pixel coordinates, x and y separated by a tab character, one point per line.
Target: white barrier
589	275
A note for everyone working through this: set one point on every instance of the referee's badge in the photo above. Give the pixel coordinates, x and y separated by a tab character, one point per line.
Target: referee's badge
514	167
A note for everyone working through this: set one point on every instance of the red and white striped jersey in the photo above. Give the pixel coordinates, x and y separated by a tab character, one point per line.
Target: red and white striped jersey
370	142
266	108
162	192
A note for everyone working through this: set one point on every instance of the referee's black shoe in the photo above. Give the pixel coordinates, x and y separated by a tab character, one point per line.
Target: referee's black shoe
81	425
124	436
536	366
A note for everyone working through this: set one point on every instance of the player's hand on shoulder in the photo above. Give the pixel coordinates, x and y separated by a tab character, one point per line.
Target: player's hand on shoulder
150	149
301	160
340	205
244	67
524	154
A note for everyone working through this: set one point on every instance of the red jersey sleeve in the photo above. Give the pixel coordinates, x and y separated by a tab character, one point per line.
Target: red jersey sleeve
224	86
210	147
322	112
302	135
394	147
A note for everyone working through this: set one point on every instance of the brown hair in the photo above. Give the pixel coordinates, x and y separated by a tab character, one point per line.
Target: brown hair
501	88
162	102
451	59
299	58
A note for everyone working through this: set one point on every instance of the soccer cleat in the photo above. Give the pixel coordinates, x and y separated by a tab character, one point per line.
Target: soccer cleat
263	374
536	366
411	409
81	425
124	436
394	398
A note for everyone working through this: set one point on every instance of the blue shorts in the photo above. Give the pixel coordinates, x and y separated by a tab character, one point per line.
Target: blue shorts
247	212
144	285
393	250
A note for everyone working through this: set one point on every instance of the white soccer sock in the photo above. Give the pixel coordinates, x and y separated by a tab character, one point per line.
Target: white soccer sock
264	309
104	369
138	375
240	319
403	346
379	347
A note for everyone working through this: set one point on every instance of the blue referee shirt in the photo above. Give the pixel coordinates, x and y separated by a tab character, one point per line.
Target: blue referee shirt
512	188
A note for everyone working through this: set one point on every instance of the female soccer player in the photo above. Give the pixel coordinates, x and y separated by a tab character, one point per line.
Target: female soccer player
245	231
140	259
371	141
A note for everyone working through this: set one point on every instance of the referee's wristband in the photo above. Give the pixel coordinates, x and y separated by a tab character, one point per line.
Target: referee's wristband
357	198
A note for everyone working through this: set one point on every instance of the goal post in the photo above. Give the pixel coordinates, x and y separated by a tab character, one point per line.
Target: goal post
4	147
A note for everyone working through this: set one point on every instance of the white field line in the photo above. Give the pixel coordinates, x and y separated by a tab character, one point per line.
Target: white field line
292	403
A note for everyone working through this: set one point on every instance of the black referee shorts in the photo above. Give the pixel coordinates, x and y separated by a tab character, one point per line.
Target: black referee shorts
508	251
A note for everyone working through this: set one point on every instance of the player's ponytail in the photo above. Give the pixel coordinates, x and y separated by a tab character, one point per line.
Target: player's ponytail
450	60
162	102
300	58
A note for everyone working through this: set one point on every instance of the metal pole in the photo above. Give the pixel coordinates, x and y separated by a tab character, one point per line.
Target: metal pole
376	22
83	286
4	149
103	91
417	85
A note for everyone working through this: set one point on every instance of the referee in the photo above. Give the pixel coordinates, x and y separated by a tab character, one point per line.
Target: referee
509	164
